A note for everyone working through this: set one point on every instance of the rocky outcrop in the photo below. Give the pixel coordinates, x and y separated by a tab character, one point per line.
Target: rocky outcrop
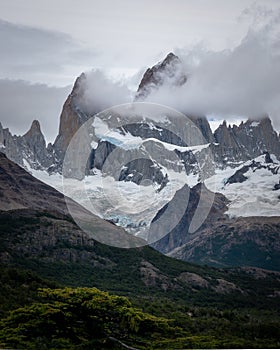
99	155
246	141
194	280
38	152
267	163
169	71
202	124
238	176
146	131
11	145
268	159
153	277
29	149
143	171
276	187
226	287
188	199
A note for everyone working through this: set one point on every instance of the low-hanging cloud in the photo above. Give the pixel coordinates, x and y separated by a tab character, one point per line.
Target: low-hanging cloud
101	92
243	81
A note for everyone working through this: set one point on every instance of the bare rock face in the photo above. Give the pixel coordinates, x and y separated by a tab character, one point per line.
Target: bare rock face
202	124
167	71
193	279
10	145
71	118
145	131
99	155
36	146
151	276
143	172
246	141
171	72
225	287
179	235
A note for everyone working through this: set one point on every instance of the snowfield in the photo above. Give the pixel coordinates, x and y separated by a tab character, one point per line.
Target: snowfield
253	197
125	203
133	207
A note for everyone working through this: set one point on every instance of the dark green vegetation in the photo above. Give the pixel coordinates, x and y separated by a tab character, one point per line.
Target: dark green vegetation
87	318
202	307
80	318
20	287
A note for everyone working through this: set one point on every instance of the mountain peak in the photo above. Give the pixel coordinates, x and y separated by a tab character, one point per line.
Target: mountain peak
71	118
77	85
264	119
168	71
248	140
35	129
36	125
170	57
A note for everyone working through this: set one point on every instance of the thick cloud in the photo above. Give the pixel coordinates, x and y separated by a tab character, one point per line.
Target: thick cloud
22	102
102	92
243	81
237	82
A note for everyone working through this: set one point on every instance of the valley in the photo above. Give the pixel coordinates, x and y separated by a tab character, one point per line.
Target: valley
140	223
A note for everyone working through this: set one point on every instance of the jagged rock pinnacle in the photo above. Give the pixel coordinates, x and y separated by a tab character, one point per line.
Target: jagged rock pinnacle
35	128
169	69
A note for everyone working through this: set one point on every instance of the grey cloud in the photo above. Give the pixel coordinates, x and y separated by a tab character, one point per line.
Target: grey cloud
257	14
28	51
243	81
102	92
22	102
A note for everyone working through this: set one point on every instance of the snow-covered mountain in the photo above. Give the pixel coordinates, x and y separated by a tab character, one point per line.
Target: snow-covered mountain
252	188
243	224
131	161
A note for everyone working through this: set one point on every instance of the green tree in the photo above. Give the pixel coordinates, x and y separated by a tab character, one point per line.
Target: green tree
79	318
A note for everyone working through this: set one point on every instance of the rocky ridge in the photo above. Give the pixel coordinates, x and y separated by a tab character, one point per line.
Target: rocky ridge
31	146
246	141
229	145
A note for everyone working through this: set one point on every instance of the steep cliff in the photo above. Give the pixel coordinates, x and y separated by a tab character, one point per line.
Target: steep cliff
71	118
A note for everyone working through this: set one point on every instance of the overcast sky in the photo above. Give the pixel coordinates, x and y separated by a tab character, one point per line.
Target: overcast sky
45	45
